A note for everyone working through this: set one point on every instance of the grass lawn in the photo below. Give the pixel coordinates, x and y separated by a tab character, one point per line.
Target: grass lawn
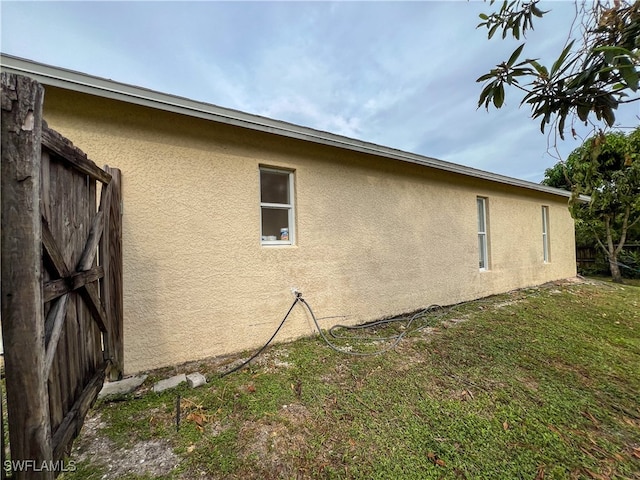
537	383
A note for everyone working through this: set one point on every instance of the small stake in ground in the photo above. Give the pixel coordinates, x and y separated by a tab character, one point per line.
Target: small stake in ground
178	413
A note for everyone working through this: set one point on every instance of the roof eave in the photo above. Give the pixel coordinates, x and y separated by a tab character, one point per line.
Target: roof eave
84	83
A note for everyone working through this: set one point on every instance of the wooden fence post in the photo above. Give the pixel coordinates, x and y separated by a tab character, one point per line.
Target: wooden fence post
3	472
111	258
21	257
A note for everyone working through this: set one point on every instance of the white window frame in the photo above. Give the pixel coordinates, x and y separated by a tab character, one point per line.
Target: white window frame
290	207
483	237
545	234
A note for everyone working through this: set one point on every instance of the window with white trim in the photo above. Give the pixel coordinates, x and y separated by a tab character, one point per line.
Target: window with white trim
483	241
545	234
276	207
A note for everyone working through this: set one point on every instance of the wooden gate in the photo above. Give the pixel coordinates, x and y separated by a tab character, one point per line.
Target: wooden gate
61	282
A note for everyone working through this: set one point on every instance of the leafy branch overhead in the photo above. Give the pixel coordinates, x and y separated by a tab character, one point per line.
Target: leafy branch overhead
597	70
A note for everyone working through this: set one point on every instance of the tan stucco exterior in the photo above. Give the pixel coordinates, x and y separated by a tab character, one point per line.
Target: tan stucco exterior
374	236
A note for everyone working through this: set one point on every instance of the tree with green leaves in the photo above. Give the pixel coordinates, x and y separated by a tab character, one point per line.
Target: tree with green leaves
597	70
607	169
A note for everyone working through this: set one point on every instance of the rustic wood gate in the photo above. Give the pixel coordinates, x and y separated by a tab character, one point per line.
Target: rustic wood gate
61	282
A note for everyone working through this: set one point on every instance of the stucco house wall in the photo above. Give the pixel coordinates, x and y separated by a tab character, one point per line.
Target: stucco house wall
374	236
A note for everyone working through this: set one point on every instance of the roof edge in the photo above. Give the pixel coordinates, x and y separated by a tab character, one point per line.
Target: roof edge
85	83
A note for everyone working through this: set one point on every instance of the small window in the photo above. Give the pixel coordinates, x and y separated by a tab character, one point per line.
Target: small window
545	234
276	207
483	250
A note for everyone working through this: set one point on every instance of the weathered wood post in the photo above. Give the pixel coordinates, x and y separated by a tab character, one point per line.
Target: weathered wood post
3	473
21	257
111	259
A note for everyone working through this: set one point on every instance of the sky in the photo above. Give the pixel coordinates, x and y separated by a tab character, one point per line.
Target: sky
398	74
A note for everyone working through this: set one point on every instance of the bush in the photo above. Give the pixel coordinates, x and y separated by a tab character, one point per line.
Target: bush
600	267
628	260
630	263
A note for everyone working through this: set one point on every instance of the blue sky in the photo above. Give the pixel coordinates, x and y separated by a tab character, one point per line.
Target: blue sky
399	74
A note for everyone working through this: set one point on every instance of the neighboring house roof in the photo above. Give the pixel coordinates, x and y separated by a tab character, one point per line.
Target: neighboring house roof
81	82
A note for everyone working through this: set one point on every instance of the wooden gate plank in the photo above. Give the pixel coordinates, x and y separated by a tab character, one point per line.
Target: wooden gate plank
73	420
53	255
53	289
53	329
91	246
77	232
70	154
59	222
111	258
89	294
21	257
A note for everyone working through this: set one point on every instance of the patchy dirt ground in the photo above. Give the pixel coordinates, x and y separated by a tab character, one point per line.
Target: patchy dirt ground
269	441
153	457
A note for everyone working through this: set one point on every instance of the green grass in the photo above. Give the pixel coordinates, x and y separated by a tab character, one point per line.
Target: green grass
537	383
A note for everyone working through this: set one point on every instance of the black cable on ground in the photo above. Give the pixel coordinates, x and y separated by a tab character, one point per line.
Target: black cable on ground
245	363
396	338
431	309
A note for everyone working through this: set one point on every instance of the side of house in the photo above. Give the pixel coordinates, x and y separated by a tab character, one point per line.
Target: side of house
221	221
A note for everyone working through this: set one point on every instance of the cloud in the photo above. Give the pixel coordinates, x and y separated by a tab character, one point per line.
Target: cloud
400	74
